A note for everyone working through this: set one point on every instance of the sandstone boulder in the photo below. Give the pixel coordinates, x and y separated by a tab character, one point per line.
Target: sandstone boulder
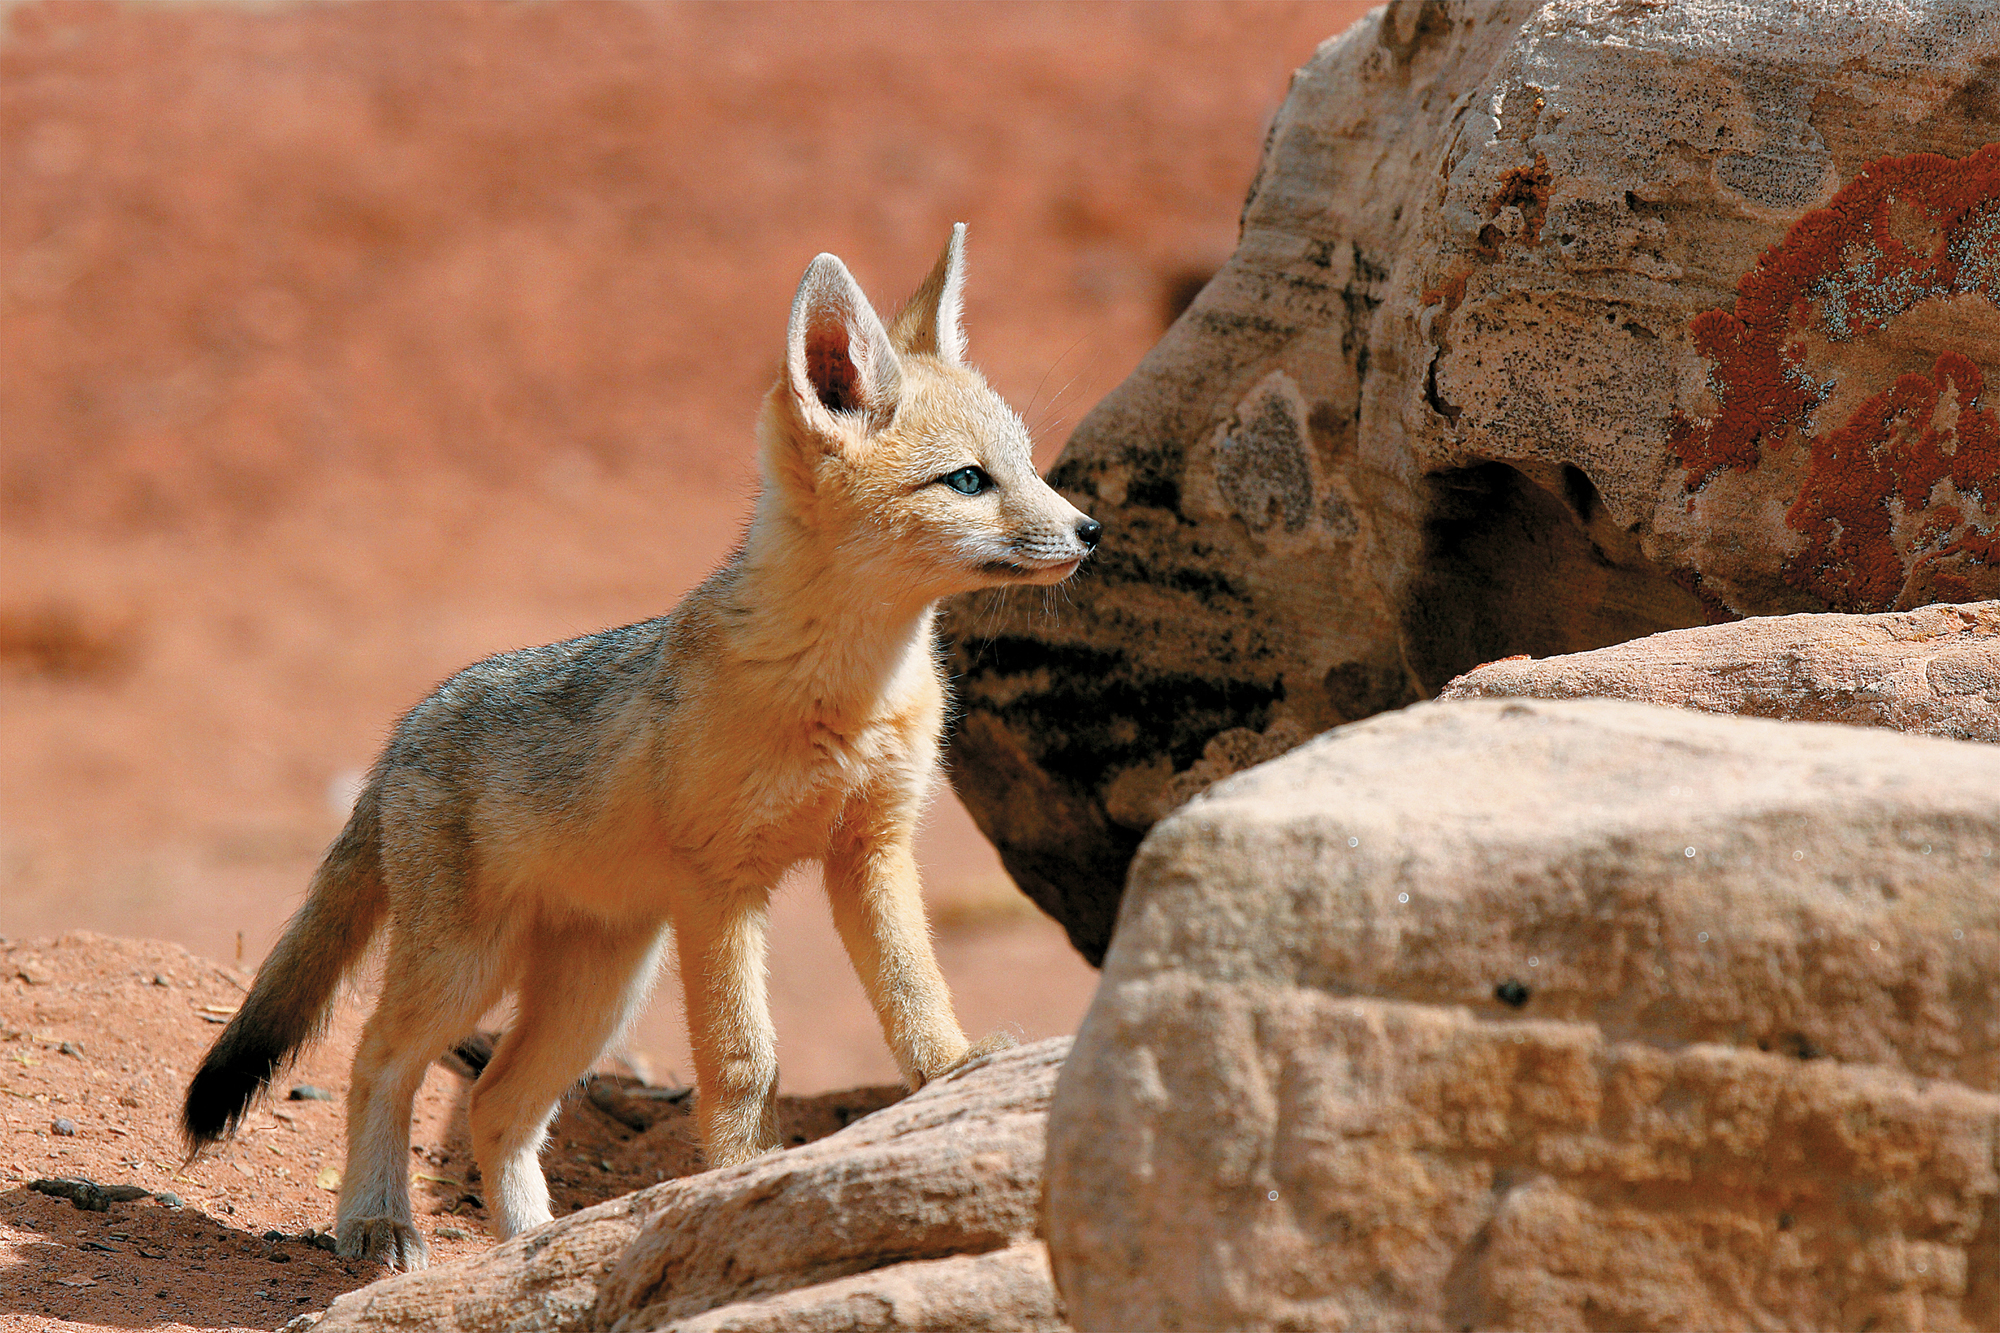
1551	325
922	1215
1526	1014
1933	671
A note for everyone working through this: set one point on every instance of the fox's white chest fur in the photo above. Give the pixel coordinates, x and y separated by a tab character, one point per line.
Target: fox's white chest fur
796	773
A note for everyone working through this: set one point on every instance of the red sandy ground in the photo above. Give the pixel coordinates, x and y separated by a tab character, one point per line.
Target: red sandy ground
343	345
137	1015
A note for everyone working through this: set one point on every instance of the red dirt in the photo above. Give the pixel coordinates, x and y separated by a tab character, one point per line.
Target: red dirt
135	1041
343	345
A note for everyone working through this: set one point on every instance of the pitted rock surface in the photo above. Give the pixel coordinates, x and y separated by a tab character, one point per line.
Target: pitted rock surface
1552	325
1532	1014
1933	671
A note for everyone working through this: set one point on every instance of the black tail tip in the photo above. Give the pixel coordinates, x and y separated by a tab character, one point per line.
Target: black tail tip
219	1096
470	1057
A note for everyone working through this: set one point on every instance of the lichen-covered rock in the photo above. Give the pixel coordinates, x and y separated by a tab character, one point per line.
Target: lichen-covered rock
1527	1014
1552	325
922	1215
1934	671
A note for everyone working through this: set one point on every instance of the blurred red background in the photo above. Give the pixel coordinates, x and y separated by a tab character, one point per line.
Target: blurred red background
343	344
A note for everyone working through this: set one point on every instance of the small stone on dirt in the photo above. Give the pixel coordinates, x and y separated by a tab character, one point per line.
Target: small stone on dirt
449	1233
34	974
63	1125
71	1048
84	1194
169	1199
306	1092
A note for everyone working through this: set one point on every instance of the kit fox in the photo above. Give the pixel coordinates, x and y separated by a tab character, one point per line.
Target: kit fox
549	818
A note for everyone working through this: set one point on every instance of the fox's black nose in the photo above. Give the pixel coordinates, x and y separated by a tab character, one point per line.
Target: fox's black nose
1088	532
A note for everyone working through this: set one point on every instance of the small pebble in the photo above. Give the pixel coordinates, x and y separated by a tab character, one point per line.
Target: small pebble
85	1195
63	1125
279	1257
306	1092
71	1048
325	1240
169	1199
159	980
274	1234
449	1233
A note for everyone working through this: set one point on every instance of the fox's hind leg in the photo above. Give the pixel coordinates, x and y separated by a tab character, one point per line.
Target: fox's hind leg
879	911
719	940
581	983
433	992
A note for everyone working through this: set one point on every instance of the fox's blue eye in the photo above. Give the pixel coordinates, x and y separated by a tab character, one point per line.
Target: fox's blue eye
968	481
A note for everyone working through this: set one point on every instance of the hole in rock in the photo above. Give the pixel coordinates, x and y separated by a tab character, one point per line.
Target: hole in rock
1527	560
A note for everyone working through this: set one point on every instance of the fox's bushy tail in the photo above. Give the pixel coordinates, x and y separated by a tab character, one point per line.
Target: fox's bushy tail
295	987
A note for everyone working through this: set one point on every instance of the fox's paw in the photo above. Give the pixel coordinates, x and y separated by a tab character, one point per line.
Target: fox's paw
991	1044
383	1240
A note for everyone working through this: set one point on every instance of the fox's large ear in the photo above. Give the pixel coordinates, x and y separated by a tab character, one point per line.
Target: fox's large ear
838	358
929	323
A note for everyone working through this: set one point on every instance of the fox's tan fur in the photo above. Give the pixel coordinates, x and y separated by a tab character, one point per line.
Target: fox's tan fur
548	819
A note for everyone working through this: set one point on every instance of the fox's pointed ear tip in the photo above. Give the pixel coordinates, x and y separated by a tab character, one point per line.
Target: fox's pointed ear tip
825	265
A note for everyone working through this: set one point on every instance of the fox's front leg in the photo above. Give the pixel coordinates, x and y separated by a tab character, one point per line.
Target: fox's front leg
878	907
719	941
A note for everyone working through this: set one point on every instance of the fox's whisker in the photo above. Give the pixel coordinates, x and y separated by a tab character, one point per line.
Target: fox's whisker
1030	409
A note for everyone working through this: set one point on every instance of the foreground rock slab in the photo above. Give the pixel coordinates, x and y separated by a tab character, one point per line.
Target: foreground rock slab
922	1215
1551	325
1525	1014
1932	671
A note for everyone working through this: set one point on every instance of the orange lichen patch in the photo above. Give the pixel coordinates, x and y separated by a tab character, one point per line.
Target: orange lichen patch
1896	447
1451	291
1526	188
1905	231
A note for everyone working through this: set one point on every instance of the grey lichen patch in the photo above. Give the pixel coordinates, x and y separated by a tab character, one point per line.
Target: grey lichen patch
1787	168
1340	517
1975	252
1779	180
1261	467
